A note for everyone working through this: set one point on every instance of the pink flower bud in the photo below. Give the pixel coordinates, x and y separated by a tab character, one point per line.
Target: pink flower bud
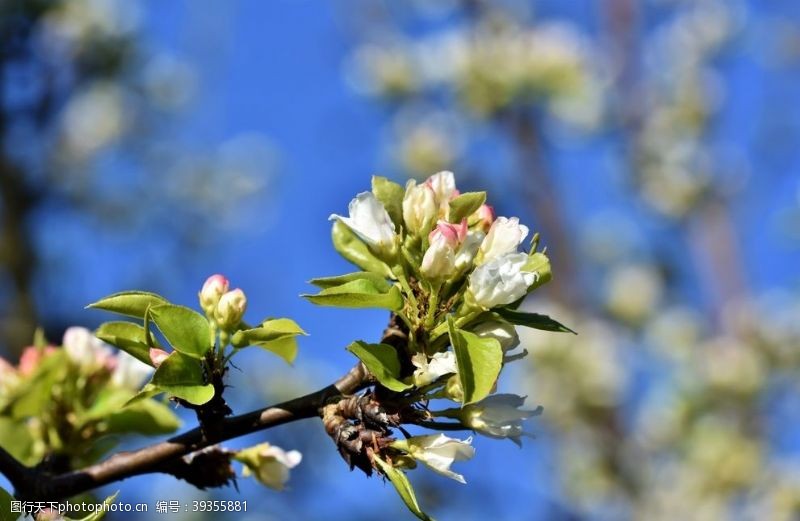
214	287
452	234
485	215
157	356
230	309
31	357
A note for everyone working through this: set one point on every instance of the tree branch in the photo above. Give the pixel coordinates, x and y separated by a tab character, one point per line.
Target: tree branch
35	484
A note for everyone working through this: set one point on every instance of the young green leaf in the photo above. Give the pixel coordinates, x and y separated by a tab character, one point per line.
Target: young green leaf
382	362
533	320
285	348
390	194
182	376
479	362
186	330
268	331
130	303
403	487
378	280
359	294
128	337
465	205
349	246
276	335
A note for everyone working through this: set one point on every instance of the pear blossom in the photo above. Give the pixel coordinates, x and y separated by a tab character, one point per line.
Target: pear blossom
504	236
214	287
438	452
369	219
501	280
269	464
469	248
497	416
419	208
129	372
86	350
504	332
230	309
439	260
443	185
428	371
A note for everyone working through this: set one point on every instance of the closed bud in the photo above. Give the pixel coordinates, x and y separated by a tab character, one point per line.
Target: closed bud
483	218
214	287
419	208
157	356
439	260
230	309
504	332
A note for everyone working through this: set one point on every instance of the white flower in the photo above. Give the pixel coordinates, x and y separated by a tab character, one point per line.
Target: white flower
501	281
466	254
504	236
443	185
438	452
213	288
230	309
130	372
269	464
439	260
419	208
497	416
370	221
84	349
500	330
428	371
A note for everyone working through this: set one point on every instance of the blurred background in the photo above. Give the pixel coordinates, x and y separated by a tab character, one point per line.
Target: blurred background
655	144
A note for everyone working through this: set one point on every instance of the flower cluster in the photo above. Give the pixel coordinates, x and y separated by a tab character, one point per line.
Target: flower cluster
61	401
453	273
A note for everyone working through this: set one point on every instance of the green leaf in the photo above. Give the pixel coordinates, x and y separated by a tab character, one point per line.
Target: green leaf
276	336
186	330
5	506
378	280
390	194
285	348
349	246
182	376
128	337
538	263
465	205
533	320
359	294
382	362
147	417
148	391
479	362
268	331
131	303
15	437
403	487
34	393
